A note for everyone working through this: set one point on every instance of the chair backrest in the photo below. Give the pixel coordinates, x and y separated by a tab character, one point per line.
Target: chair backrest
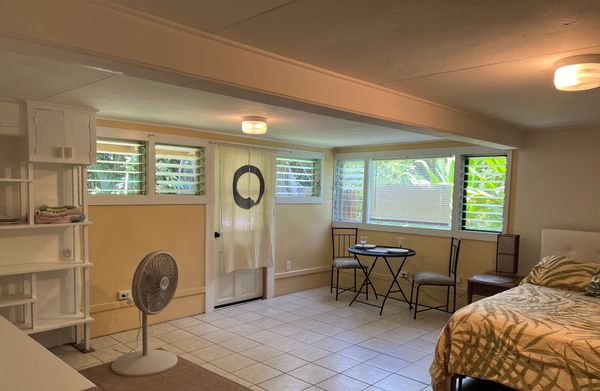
342	238
507	253
453	259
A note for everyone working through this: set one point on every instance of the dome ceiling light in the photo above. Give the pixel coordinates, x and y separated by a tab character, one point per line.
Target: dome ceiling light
578	73
254	125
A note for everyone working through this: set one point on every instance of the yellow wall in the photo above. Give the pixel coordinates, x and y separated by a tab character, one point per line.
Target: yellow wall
119	239
558	186
122	235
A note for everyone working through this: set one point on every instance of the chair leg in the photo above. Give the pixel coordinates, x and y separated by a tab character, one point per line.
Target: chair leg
416	301
331	287
337	284
448	298
366	285
354	280
454	301
412	289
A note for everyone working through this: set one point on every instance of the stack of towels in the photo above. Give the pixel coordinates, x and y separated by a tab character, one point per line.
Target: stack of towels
58	215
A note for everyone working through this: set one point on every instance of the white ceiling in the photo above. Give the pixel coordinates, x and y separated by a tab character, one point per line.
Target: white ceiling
129	98
489	57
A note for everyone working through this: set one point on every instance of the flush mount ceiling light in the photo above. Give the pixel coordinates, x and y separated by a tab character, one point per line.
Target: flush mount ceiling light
254	125
578	73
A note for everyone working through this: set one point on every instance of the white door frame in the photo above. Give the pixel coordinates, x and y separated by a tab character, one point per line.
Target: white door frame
210	271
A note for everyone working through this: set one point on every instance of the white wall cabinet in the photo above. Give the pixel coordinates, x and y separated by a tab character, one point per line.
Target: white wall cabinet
60	134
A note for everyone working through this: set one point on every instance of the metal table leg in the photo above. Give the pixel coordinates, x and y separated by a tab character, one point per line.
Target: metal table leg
367	279
396	282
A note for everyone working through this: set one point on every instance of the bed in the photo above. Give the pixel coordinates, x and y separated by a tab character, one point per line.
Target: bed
530	337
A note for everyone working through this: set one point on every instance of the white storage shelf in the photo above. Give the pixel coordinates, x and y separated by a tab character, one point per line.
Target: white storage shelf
42	226
41	267
57	323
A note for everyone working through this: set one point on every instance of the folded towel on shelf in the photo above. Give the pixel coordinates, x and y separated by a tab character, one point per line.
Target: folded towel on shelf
58	215
66	210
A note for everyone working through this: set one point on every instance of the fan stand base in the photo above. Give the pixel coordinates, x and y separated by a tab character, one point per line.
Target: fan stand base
136	364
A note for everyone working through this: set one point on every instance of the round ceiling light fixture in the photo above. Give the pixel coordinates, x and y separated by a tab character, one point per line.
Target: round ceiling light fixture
578	73
254	125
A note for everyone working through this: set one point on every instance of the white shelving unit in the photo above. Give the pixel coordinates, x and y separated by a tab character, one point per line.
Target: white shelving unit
44	268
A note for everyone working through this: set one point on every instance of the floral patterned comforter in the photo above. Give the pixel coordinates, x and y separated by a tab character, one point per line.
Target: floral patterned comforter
528	338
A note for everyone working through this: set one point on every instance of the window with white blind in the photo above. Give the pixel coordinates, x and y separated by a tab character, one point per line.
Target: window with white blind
483	193
298	179
412	192
348	191
120	168
179	170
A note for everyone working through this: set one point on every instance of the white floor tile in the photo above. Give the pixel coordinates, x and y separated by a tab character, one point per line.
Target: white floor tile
310	353
284	383
396	382
337	362
285	362
367	373
257	373
233	362
312	373
342	383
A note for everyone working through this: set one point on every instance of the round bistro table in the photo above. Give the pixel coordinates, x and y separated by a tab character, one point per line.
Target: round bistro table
381	252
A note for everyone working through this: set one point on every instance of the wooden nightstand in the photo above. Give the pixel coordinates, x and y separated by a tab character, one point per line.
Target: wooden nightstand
505	275
490	283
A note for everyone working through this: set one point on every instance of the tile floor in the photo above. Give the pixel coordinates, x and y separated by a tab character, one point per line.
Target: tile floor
301	341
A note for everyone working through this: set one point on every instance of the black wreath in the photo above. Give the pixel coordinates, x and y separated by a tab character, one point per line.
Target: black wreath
247	203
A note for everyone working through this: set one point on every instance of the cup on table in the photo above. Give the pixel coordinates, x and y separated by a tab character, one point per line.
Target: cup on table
362	240
400	241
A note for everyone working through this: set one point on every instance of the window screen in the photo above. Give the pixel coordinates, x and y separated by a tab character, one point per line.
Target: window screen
348	190
484	187
298	177
120	168
412	192
179	170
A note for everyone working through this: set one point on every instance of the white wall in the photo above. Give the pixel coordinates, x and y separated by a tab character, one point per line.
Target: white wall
557	186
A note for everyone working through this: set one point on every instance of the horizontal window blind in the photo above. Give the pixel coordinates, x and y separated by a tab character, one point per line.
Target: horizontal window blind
298	177
179	170
412	192
484	187
348	191
120	168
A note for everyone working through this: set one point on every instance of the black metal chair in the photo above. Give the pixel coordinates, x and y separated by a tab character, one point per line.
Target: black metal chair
436	279
342	259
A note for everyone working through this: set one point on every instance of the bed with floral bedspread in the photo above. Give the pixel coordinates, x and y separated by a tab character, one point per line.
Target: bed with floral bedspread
528	338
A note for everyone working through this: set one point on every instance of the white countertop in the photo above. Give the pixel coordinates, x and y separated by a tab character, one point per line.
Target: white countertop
25	365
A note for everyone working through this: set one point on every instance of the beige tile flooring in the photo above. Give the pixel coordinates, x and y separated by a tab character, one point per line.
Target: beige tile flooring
301	341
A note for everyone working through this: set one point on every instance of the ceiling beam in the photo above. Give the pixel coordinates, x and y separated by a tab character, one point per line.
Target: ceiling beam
106	31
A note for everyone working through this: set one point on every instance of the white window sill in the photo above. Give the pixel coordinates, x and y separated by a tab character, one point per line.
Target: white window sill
468	235
298	200
145	200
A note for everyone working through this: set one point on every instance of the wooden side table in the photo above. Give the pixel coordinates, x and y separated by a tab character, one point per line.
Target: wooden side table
490	283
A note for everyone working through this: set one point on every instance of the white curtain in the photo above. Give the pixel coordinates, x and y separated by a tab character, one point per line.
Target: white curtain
247	207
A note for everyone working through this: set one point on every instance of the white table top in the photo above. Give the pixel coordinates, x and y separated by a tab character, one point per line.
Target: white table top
25	365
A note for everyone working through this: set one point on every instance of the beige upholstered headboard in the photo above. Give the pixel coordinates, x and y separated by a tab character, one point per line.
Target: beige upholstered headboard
577	244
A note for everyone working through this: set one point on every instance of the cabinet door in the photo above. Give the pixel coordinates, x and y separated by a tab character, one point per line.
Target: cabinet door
78	137
47	136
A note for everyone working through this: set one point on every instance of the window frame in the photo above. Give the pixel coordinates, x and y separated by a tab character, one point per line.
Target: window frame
309	155
151	198
459	153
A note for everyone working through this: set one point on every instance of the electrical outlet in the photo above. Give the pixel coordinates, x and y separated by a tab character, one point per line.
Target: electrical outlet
288	264
124	295
403	274
67	253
